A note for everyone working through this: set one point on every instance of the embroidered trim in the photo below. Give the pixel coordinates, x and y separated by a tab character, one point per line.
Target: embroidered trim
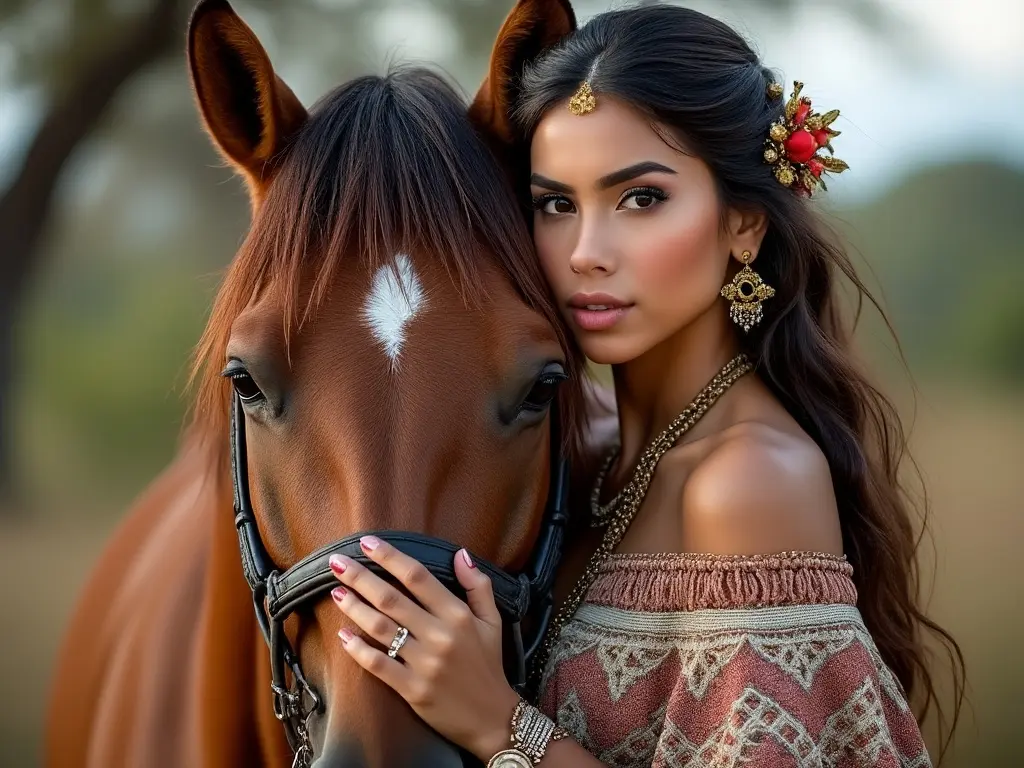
672	559
797	640
857	731
680	623
693	582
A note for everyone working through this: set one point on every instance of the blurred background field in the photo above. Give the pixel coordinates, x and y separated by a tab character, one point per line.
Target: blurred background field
143	217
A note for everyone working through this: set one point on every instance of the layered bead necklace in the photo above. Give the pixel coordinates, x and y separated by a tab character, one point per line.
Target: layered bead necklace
617	514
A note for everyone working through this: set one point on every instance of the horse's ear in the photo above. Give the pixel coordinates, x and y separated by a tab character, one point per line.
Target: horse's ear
531	27
248	110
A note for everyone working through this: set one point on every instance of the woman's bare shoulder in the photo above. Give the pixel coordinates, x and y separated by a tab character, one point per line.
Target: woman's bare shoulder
760	489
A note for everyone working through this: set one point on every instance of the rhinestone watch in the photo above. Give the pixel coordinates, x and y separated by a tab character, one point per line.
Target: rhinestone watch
532	731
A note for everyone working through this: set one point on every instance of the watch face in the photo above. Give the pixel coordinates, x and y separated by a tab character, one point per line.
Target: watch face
510	758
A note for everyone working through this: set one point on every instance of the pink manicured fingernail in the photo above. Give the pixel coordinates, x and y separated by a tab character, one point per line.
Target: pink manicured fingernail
467	558
345	636
337	564
370	543
338	593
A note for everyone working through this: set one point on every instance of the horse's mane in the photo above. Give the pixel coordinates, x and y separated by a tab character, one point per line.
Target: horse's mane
384	164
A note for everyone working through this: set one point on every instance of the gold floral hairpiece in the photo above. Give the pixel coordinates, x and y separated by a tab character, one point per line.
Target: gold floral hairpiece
794	142
583	101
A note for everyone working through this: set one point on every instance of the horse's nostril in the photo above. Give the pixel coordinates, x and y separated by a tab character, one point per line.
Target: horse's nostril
342	756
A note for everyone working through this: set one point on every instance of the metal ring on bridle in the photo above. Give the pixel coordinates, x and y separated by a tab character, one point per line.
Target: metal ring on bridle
399	640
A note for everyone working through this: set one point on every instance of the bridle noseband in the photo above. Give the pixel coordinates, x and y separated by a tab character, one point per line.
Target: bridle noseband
277	595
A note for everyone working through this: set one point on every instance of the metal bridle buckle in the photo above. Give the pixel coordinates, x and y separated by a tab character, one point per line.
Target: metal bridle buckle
289	708
304	754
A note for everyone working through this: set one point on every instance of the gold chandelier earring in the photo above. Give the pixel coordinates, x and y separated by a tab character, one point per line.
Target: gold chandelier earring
747	291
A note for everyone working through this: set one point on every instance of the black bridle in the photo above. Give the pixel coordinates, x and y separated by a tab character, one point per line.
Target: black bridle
277	595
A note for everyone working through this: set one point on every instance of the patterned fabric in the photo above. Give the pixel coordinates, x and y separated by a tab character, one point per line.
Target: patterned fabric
722	662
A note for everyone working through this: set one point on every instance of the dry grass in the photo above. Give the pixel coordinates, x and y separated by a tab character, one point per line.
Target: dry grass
43	568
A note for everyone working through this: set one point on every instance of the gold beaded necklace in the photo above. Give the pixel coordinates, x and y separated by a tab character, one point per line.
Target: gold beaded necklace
621	510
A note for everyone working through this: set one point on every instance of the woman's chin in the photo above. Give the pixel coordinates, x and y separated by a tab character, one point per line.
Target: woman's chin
607	348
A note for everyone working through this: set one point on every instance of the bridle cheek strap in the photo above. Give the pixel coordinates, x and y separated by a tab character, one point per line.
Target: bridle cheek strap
276	596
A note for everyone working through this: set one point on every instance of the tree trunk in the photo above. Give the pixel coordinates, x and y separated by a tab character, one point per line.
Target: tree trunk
26	204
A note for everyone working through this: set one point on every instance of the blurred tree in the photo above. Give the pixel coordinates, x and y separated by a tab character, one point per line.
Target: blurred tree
945	244
78	78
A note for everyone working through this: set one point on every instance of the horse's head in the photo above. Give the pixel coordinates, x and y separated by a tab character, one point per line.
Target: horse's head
388	330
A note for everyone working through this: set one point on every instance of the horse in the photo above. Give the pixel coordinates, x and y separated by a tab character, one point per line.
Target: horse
383	353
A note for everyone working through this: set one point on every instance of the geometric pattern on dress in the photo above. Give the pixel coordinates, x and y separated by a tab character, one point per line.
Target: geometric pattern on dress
892	687
857	732
572	641
627	657
753	719
702	661
573	718
625	664
801	655
637	749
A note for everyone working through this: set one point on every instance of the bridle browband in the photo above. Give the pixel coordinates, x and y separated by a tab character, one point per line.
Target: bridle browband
277	595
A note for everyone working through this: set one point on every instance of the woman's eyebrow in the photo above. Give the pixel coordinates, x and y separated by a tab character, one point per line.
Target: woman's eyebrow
555	186
605	182
631	172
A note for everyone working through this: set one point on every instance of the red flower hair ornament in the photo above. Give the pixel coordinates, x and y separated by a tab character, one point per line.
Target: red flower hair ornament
794	143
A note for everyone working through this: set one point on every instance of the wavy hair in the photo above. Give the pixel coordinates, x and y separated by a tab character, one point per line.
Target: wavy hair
697	80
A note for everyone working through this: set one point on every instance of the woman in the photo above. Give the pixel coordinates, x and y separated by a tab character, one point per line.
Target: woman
745	591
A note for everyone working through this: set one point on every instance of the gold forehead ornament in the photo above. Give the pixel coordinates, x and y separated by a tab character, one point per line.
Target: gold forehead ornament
583	101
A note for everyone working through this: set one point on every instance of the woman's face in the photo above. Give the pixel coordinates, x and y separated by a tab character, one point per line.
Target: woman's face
628	229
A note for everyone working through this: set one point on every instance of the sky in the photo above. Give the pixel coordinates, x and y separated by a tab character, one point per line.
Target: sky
946	83
956	91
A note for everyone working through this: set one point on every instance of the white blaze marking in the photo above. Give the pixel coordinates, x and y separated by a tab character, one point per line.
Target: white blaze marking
395	298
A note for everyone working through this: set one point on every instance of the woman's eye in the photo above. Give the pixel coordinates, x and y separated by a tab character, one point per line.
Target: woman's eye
646	197
543	392
553	204
245	387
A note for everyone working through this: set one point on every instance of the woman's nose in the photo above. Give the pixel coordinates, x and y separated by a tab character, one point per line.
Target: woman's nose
592	255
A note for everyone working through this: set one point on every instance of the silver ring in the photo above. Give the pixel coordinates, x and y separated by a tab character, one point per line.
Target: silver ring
398	641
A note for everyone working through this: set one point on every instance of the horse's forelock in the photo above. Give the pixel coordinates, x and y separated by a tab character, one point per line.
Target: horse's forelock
384	165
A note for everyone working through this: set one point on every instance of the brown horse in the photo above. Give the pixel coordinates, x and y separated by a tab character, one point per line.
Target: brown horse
391	336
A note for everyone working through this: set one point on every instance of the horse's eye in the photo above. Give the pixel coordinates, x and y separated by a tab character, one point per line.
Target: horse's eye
544	390
243	383
246	387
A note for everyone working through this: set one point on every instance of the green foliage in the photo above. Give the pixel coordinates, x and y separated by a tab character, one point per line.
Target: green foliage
947	247
104	369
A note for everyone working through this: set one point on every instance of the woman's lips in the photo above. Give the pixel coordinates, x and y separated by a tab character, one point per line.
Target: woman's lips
597	317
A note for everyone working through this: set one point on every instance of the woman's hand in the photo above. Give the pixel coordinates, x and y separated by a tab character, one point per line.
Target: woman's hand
450	668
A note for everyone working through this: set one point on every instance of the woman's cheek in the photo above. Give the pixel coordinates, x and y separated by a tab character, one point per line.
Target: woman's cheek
673	264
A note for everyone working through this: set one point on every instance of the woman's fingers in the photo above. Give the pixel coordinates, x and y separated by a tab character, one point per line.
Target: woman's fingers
379	664
381	595
374	623
414	576
479	593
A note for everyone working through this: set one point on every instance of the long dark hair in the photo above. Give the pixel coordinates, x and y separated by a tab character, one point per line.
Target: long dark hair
698	79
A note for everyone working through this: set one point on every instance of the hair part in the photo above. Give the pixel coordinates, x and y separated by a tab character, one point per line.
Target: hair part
696	78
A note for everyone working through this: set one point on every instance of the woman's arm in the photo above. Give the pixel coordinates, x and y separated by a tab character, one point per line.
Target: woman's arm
449	668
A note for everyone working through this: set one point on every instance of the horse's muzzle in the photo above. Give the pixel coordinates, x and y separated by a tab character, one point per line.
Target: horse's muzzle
432	753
